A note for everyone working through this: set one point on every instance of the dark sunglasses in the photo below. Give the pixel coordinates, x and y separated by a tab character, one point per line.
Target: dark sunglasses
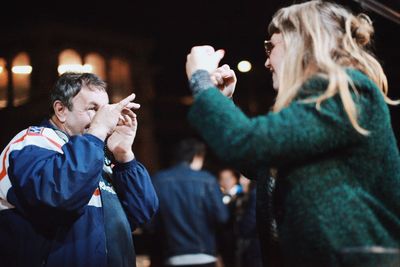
268	45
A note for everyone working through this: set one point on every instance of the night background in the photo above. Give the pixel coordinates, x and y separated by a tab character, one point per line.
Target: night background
142	47
146	44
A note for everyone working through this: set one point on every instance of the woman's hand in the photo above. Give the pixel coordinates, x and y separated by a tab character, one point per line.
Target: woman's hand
203	58
225	79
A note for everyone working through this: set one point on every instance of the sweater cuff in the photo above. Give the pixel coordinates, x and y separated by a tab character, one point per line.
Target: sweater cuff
200	81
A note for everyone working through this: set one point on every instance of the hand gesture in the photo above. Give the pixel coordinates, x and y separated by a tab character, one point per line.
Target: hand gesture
121	140
108	116
203	58
225	79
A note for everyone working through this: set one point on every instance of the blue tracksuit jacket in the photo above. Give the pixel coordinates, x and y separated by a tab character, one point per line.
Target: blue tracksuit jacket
50	202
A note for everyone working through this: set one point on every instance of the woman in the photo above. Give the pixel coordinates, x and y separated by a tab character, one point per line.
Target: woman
329	136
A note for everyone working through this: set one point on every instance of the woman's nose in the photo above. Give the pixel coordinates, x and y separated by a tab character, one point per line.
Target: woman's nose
268	64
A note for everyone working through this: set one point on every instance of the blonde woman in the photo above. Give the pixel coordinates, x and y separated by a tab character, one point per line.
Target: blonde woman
329	136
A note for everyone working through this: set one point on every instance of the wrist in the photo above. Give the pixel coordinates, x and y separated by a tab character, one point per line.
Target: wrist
124	157
200	81
99	132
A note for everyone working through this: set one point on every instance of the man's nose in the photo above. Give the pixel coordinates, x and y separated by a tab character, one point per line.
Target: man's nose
91	114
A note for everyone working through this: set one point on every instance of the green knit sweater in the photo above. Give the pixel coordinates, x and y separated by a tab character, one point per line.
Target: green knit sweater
336	188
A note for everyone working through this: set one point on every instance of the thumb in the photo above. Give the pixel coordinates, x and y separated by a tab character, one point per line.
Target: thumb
219	54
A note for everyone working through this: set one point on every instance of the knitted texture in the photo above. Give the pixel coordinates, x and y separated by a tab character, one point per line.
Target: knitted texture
336	188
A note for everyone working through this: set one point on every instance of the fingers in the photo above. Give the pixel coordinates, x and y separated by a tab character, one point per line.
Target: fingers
206	48
126	102
222	75
230	76
226	71
127	120
219	54
225	67
205	52
124	107
121	119
218	78
127	117
133	105
129	113
213	79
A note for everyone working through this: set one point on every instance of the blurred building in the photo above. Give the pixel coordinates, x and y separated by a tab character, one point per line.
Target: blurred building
32	60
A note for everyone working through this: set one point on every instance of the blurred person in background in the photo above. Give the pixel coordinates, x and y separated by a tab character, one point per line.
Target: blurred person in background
191	209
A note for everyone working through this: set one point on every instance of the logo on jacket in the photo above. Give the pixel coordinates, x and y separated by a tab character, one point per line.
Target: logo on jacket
105	187
35	130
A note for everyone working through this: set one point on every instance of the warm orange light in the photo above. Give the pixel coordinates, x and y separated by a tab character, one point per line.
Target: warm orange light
120	78
3	83
21	78
98	63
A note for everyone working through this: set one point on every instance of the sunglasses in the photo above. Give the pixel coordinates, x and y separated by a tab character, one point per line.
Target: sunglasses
268	45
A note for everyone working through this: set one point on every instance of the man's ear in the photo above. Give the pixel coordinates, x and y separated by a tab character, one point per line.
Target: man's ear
60	111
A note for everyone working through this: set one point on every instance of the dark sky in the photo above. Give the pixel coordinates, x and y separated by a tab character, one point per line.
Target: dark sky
238	26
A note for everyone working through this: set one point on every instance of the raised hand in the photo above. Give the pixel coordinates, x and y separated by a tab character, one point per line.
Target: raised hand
225	79
108	116
121	140
203	58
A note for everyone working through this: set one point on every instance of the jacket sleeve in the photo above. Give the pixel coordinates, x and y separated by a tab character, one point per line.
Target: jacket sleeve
296	133
135	191
50	177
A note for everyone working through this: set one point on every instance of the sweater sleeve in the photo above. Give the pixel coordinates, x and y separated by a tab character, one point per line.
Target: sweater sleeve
296	133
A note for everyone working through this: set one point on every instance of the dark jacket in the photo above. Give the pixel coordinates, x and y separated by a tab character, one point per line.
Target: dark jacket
335	188
191	207
249	243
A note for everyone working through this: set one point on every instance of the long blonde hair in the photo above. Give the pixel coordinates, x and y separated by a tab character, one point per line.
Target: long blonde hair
324	38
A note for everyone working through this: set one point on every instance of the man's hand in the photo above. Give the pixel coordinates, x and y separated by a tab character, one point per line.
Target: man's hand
225	79
121	140
108	116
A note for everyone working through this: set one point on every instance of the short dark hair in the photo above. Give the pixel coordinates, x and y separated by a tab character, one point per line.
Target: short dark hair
234	172
188	148
69	84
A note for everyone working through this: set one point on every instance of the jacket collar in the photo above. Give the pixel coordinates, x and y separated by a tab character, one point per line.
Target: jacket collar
48	124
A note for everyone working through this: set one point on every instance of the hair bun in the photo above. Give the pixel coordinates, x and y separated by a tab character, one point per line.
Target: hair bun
361	29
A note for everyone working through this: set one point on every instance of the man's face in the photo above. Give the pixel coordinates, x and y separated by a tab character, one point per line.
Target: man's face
84	107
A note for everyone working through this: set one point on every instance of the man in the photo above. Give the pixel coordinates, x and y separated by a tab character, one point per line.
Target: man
191	207
60	204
